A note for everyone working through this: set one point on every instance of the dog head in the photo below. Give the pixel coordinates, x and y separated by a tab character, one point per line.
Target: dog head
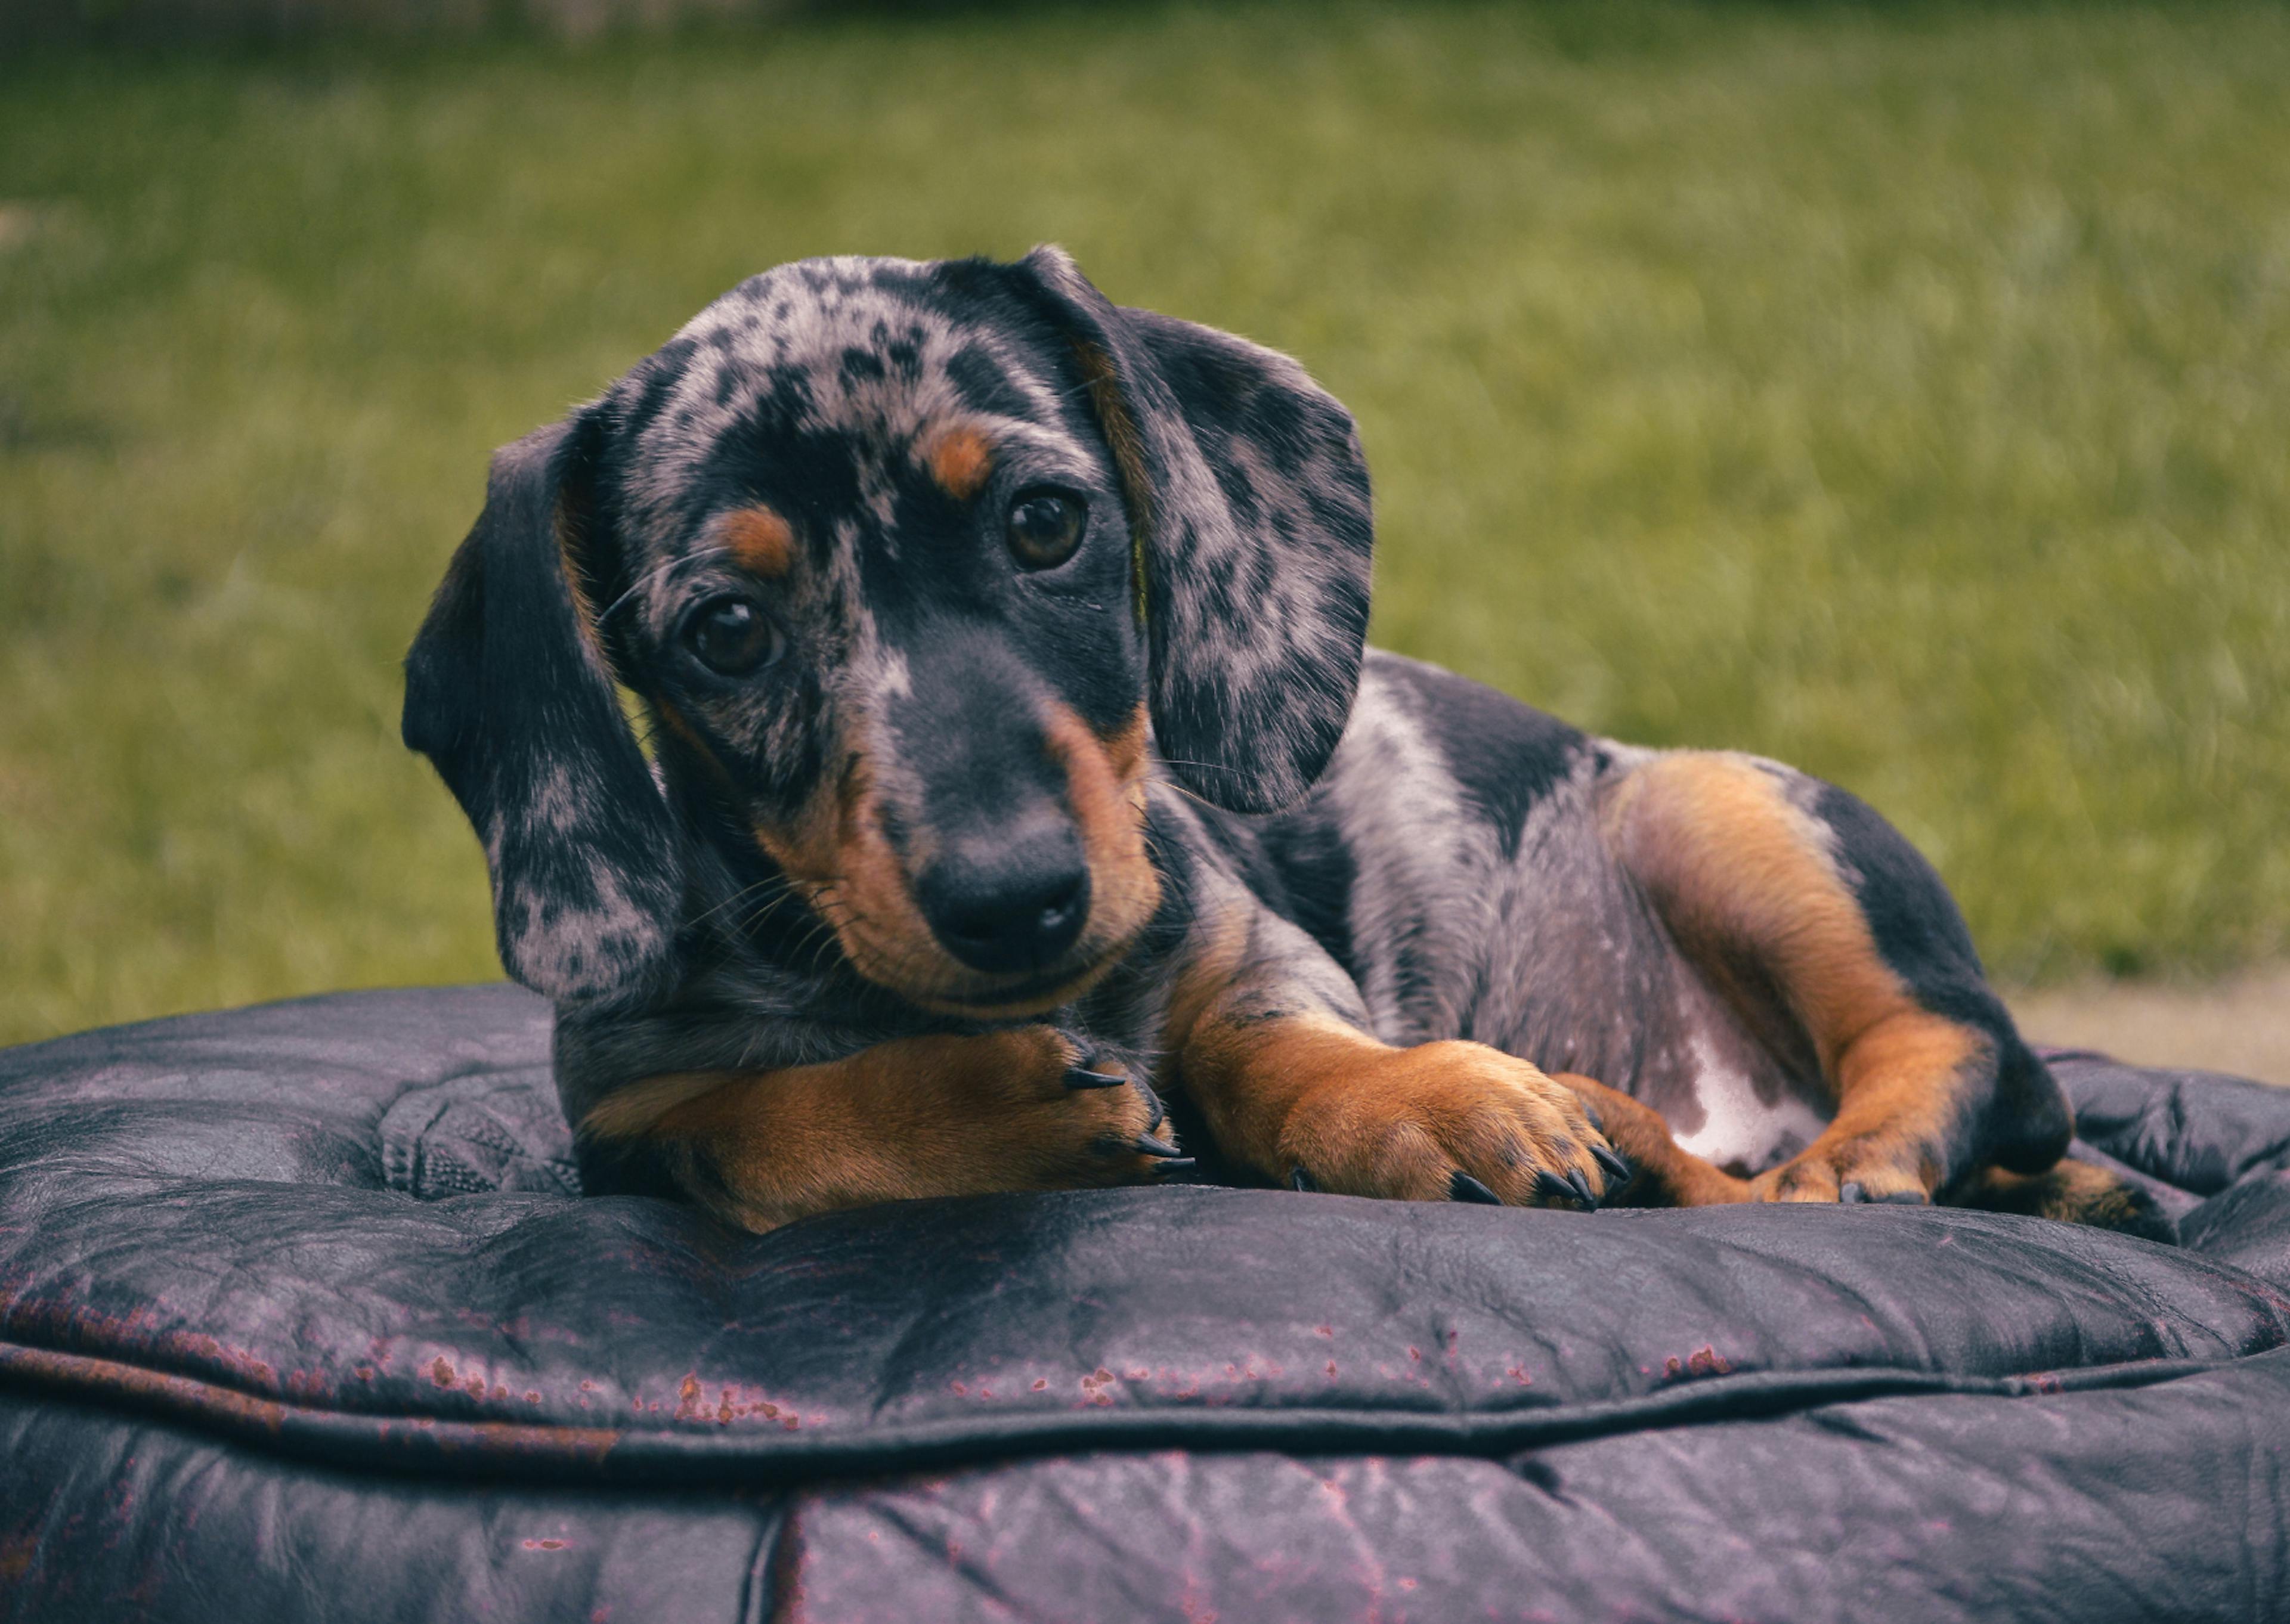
906	561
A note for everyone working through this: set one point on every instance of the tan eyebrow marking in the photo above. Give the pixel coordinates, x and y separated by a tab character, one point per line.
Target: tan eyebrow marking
960	458
761	540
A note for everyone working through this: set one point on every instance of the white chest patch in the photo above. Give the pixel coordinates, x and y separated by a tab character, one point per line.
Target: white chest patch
1740	1131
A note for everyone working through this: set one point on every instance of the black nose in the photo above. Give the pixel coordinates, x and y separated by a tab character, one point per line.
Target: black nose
1011	903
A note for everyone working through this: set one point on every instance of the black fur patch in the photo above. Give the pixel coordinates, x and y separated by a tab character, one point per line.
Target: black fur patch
1505	755
630	1166
1923	938
1311	874
1918	930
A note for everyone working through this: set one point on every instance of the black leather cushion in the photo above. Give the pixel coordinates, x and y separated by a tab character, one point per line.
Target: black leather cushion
301	1316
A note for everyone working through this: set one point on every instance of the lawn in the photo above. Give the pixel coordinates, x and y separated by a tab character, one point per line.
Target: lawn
1902	391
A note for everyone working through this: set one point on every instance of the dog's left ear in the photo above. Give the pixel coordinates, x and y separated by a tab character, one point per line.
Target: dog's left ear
1249	498
509	692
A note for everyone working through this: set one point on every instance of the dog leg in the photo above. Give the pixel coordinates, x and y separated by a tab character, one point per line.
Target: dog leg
2073	1193
1270	1041
1664	1175
1840	946
1016	1109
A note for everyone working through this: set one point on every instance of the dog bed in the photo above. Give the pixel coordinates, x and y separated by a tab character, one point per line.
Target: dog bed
301	1316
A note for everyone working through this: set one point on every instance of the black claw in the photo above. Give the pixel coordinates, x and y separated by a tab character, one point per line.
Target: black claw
1082	1076
1550	1187
1462	1187
1153	1100
1300	1180
1147	1145
1619	1172
1851	1193
1176	1165
1591	1112
1582	1187
1906	1198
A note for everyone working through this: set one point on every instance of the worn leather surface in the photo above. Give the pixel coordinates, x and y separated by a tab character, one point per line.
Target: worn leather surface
301	1314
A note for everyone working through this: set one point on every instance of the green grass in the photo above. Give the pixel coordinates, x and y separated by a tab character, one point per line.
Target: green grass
1905	392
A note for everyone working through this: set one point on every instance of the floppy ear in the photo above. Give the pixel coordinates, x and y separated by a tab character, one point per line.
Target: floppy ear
509	693
1249	498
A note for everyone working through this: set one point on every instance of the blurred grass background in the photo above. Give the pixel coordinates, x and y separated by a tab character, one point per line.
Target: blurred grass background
1904	391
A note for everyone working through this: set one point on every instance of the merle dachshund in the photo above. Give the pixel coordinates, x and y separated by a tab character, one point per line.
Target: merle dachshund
1017	759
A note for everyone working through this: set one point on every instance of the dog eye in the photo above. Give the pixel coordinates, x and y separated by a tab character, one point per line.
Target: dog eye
1044	528
732	636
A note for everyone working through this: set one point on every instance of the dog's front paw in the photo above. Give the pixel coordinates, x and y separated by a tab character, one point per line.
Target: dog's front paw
1060	1114
1447	1121
1023	1108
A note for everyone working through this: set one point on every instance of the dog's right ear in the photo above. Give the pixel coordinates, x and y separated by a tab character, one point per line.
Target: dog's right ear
510	693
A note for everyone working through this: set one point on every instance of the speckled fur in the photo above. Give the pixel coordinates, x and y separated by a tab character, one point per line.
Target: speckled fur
1341	841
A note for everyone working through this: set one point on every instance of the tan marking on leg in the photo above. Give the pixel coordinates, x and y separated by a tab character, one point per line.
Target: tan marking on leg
2069	1193
1665	1175
915	1118
1898	1108
636	1107
1216	946
960	458
759	540
1744	880
1365	1118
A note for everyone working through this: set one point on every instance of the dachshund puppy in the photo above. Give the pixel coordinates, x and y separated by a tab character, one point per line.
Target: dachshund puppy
1017	758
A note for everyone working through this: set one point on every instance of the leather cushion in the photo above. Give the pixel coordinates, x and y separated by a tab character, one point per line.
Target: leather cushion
336	1244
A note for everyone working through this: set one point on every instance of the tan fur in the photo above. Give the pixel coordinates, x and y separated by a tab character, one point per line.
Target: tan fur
2071	1192
759	540
839	856
1744	880
906	1120
676	723
1665	1176
576	582
1105	790
1122	438
1364	1119
960	460
1215	948
1124	746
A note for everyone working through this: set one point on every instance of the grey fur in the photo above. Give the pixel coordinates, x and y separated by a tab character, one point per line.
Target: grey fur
1273	528
1351	832
508	695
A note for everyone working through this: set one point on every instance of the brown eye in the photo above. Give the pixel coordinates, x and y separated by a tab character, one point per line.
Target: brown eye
1044	528
732	636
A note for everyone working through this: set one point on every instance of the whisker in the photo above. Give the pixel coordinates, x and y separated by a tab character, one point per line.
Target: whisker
736	898
638	585
1174	787
829	904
